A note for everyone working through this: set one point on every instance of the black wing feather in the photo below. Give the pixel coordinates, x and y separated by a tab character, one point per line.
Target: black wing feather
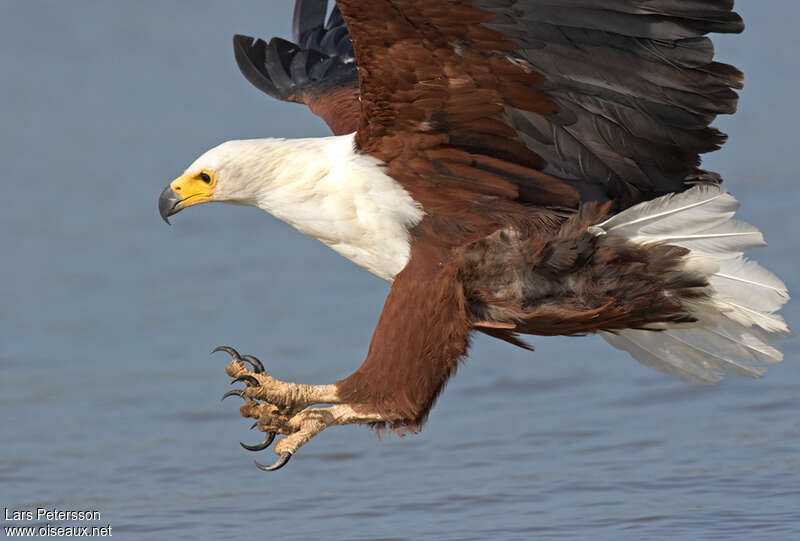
307	18
636	85
321	60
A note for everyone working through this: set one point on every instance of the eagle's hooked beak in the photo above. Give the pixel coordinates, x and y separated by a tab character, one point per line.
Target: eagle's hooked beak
169	203
185	191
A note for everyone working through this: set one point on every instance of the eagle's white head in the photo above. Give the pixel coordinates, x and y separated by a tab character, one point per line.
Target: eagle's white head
237	172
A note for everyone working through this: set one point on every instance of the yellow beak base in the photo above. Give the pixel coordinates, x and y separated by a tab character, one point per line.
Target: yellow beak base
186	191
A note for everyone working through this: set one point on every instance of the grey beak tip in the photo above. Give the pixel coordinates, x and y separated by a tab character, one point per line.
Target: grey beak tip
167	202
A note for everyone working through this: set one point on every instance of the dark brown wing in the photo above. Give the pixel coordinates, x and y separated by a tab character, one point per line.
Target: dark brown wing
543	101
317	70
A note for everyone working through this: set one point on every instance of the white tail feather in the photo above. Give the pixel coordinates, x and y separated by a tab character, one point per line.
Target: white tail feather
696	209
725	240
772	323
744	296
652	351
740	278
748	340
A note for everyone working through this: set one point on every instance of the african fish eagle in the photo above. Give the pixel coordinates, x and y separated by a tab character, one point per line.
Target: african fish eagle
511	167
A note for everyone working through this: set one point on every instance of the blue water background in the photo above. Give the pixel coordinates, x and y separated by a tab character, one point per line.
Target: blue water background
110	401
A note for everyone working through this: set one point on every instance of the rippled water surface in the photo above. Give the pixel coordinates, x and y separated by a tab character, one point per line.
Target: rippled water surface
110	401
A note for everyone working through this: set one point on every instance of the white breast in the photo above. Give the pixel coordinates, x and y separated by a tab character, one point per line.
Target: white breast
345	200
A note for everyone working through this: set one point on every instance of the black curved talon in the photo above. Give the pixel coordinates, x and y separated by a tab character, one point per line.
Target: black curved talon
252	426
258	368
229	350
280	463
235	392
250	380
261	446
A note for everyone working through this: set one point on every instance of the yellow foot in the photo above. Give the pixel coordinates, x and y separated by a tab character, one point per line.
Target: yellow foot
283	408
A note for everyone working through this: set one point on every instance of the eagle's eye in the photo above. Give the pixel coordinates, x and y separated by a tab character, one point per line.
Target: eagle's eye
205	178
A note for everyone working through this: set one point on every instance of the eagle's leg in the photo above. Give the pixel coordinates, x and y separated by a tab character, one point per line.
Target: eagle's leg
284	409
423	331
302	426
289	398
307	424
